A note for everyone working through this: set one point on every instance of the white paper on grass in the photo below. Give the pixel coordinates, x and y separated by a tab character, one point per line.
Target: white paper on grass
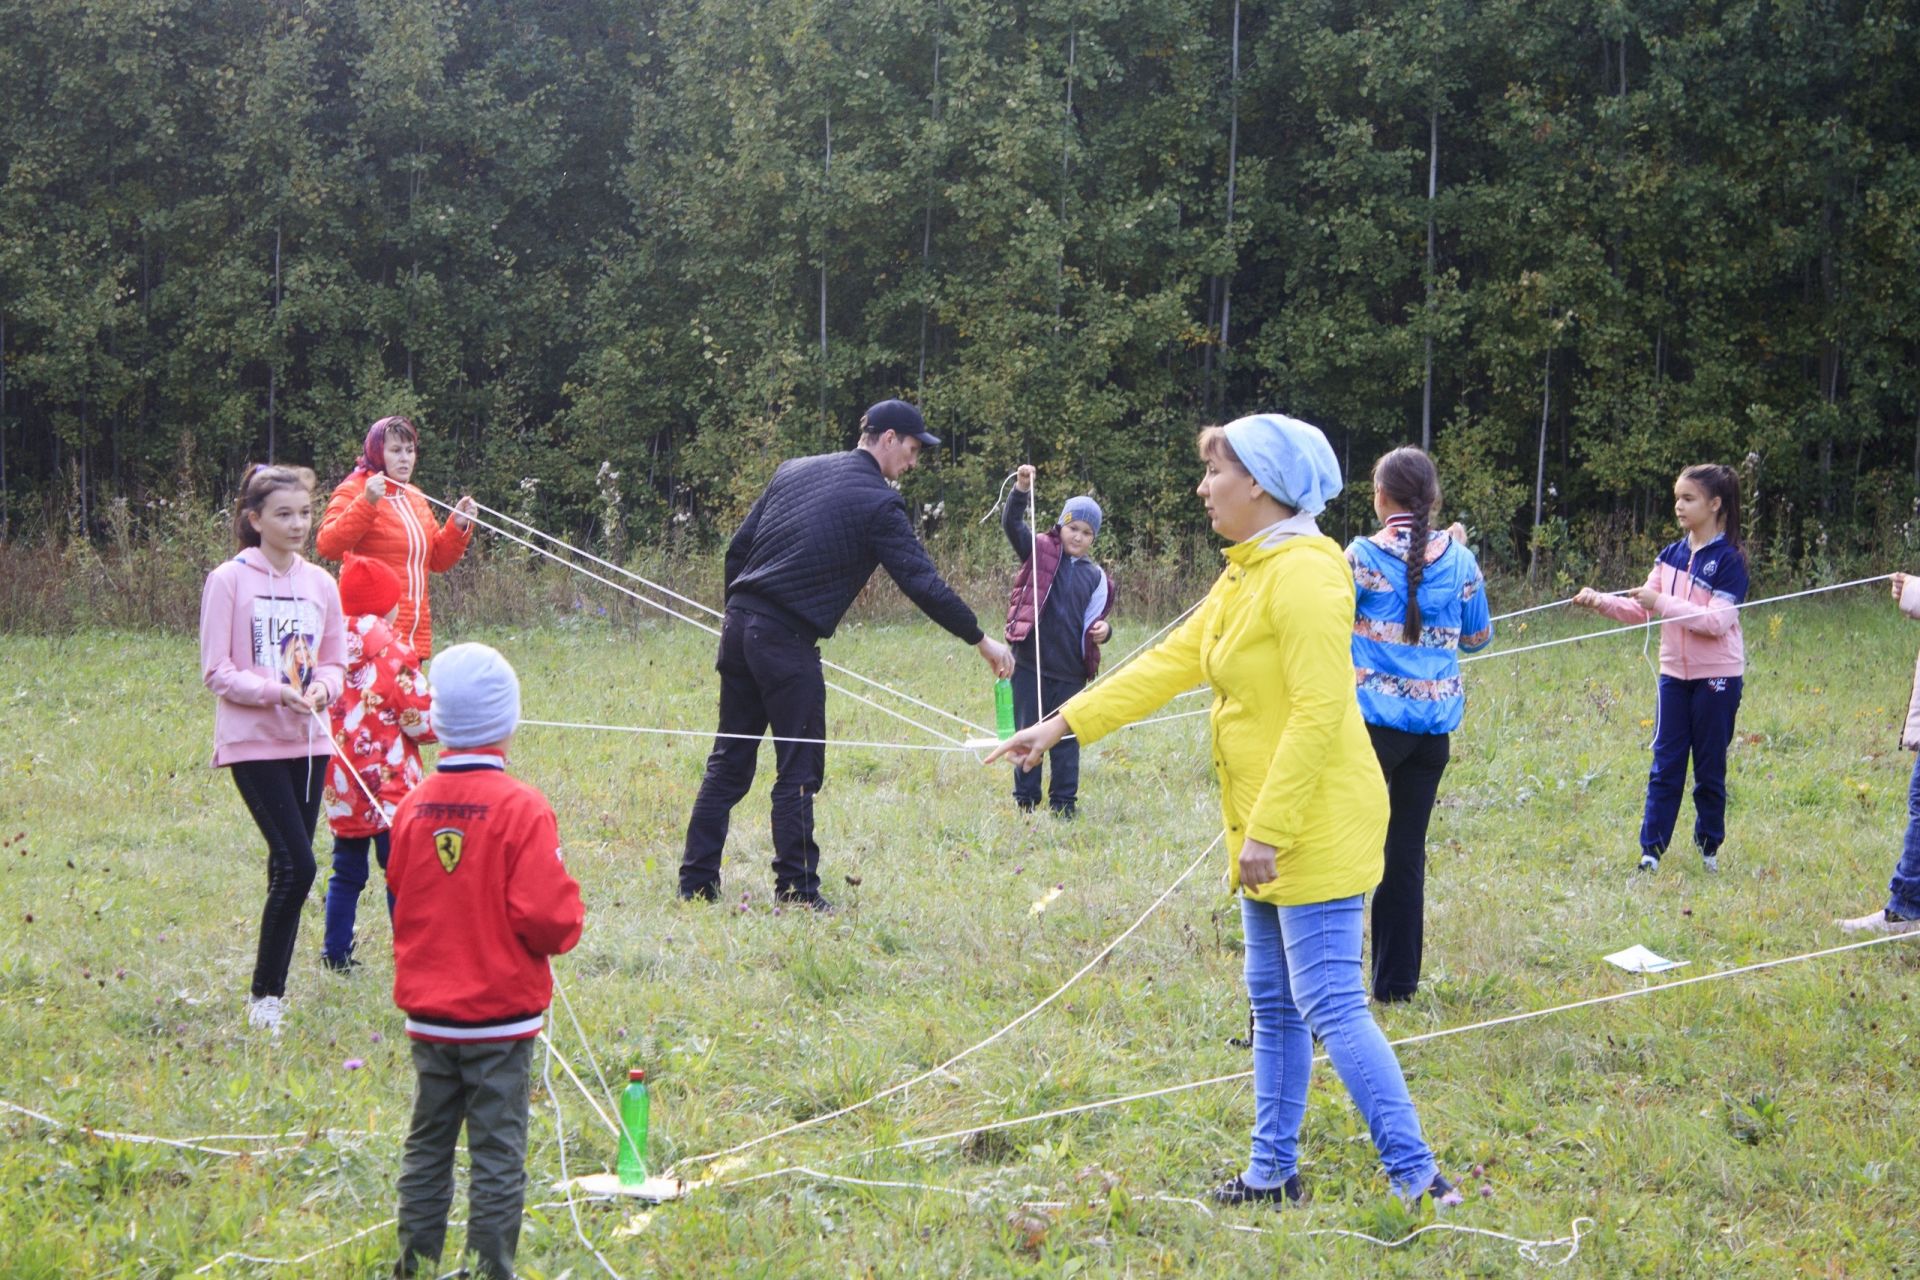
1637	959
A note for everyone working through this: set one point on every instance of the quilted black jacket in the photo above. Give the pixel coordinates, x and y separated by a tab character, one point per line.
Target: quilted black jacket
812	541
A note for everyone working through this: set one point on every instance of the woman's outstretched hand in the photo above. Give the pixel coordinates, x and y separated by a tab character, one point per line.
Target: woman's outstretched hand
1029	746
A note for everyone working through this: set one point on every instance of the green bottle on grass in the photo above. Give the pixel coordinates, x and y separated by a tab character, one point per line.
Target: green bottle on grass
1003	707
632	1164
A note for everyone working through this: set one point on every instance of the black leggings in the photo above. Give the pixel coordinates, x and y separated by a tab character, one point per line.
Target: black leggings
1412	764
284	798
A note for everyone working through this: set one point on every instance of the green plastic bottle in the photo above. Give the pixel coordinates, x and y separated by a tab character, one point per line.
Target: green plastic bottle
632	1165
1003	707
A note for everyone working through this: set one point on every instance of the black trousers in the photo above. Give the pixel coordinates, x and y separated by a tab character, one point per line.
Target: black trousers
284	798
1064	759
1412	763
769	678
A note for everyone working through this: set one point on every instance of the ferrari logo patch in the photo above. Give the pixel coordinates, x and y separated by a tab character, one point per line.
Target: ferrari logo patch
446	843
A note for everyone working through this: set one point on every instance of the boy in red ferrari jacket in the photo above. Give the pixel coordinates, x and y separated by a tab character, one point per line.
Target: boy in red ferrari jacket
481	900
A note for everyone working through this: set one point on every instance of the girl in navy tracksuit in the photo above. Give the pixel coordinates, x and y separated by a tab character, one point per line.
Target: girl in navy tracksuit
1075	596
1696	585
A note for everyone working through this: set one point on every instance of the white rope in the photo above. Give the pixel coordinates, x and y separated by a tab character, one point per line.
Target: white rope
560	1137
1033	576
968	1052
668	591
712	631
547	1039
340	753
1529	1250
1424	1037
200	1144
1554	604
752	737
1676	617
803	1170
236	1256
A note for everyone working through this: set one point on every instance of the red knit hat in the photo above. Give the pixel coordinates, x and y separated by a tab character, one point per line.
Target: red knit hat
367	586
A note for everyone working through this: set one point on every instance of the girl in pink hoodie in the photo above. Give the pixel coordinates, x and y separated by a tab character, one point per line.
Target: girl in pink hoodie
1696	587
273	651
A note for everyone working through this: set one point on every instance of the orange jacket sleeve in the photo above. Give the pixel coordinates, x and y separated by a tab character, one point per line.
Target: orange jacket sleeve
346	520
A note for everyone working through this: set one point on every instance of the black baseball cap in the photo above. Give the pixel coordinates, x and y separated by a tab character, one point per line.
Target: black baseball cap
900	418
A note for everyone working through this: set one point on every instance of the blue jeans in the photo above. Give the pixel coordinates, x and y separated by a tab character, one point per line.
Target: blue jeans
1903	893
1305	980
348	878
1692	717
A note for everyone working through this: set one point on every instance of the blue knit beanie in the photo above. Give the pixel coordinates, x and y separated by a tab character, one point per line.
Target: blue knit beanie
1082	508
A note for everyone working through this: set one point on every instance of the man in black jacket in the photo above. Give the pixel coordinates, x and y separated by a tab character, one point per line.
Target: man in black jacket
793	569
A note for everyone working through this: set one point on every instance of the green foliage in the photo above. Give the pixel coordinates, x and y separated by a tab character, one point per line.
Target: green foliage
686	238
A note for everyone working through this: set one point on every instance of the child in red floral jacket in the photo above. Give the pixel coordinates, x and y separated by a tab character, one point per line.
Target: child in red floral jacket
378	723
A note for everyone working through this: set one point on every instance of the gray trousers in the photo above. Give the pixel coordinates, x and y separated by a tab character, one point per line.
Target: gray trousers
485	1086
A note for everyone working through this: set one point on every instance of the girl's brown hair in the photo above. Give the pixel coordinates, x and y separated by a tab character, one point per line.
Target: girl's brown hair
1720	482
1407	478
262	481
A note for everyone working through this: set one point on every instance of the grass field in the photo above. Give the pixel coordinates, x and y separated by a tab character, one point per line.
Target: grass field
1761	1126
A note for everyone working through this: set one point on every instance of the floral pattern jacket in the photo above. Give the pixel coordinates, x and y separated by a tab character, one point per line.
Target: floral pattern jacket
379	722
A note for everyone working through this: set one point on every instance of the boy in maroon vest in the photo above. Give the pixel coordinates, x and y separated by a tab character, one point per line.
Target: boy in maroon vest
1054	660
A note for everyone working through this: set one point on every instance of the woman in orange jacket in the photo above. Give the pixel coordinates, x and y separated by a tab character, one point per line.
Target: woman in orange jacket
378	514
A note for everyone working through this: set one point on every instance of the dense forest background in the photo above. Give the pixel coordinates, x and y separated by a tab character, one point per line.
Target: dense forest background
619	257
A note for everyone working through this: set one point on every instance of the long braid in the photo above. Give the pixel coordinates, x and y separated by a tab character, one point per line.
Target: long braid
1408	477
1416	570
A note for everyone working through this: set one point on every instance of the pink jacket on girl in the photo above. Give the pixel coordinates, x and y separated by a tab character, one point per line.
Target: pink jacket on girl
1698	592
1910	605
261	631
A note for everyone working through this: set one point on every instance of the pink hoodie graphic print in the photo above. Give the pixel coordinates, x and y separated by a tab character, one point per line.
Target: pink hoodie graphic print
260	632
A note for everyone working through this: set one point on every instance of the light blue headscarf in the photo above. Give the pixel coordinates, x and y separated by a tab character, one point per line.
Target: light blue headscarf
1289	458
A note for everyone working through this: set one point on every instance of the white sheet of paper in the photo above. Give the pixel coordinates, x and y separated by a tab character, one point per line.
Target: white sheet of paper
1637	959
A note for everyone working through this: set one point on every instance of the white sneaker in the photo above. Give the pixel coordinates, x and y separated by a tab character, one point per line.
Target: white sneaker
265	1013
1878	922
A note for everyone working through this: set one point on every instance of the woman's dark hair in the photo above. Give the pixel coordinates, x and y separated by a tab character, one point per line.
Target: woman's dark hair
1214	446
1407	478
1723	483
261	483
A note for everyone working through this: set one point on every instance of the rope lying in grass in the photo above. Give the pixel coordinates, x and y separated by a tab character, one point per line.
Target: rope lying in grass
1529	1250
1422	1038
560	1134
200	1143
968	1052
671	612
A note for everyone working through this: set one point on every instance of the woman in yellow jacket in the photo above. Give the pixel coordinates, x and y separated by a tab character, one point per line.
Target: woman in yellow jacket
1300	791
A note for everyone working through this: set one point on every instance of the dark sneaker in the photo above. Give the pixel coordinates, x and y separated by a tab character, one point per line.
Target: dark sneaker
811	901
1442	1192
1063	811
700	893
339	964
1027	806
1236	1191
